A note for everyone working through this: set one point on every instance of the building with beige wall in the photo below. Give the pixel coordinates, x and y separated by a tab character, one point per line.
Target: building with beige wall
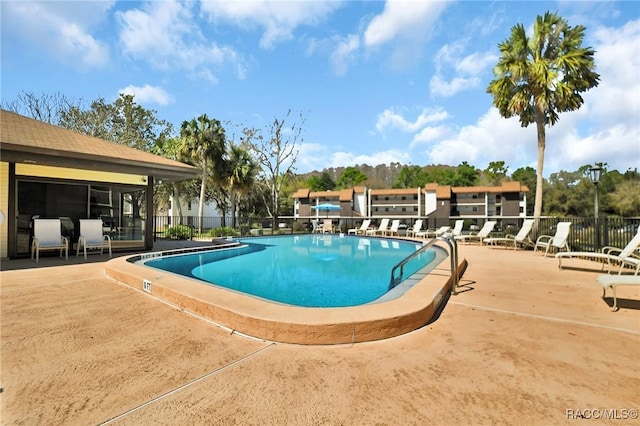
438	204
50	172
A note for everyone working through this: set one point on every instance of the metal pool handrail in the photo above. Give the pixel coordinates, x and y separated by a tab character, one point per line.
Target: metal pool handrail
453	254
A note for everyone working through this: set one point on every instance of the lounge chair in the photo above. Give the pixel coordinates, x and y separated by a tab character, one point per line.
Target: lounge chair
362	229
432	233
327	226
381	229
522	237
557	241
316	227
483	233
92	238
395	226
47	235
609	254
457	228
613	281
417	226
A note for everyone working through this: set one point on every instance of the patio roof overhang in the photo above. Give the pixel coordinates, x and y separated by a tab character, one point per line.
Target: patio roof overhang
29	141
55	158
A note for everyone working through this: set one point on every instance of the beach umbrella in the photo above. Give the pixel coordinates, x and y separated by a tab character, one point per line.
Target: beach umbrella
327	207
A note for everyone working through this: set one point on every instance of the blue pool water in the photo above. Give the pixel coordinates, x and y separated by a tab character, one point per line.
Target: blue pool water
304	270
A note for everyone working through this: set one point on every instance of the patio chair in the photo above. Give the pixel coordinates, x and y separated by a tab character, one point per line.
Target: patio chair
522	237
47	235
457	228
417	226
557	241
327	226
381	229
432	233
613	281
362	229
316	228
395	225
609	255
483	233
92	238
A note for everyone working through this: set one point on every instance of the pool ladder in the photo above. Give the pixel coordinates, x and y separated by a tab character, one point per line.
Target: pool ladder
453	254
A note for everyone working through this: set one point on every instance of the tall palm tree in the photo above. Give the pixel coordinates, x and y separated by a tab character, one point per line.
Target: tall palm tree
242	172
541	76
203	141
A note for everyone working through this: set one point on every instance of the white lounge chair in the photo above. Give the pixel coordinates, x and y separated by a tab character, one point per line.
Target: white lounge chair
417	226
395	226
47	235
483	233
457	228
613	281
327	226
381	229
316	227
609	255
432	233
522	237
362	229
557	241
92	238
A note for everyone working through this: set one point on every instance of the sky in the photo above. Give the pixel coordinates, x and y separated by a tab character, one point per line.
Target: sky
377	81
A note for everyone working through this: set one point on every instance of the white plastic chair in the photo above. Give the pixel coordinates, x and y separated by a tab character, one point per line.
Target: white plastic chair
483	233
47	235
362	229
91	237
557	241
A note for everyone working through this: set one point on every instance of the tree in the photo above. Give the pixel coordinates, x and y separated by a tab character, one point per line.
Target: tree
541	76
277	155
123	122
242	171
496	172
203	141
411	177
464	175
45	107
350	177
321	183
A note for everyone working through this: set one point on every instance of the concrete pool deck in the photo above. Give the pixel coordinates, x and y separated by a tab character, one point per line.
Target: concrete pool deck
523	342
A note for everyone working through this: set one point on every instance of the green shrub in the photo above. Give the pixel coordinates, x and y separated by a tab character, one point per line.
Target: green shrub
224	232
180	232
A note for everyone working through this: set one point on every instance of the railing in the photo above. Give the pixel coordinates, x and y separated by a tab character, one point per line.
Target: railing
453	255
585	233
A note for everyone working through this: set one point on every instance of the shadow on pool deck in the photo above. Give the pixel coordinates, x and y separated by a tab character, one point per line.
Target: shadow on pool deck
522	342
48	259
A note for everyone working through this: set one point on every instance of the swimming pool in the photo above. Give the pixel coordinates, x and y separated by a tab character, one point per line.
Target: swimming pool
407	307
304	270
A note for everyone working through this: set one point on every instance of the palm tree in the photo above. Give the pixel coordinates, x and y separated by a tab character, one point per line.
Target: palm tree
541	76
203	141
242	172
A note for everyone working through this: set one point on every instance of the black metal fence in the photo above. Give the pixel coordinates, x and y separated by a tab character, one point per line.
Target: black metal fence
585	235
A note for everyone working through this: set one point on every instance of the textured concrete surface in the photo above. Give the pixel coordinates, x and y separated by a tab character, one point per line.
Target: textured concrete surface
521	343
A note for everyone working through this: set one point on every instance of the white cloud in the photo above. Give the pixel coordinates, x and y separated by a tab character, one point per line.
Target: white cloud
344	53
278	19
148	94
403	19
439	87
165	35
61	29
617	60
464	71
390	118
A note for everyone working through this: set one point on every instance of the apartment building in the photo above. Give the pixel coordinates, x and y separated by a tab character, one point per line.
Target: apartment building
436	203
